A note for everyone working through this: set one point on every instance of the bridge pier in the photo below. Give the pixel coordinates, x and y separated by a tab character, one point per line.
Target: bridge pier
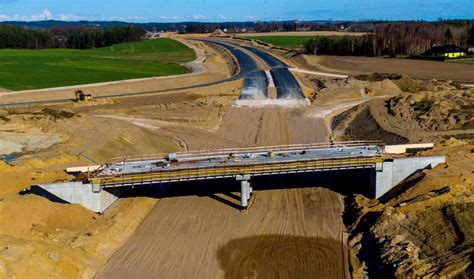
104	187
245	189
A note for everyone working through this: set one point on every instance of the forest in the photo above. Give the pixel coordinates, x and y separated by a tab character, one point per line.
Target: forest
68	37
393	39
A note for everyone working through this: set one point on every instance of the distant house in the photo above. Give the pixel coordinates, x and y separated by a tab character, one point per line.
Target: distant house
446	51
471	50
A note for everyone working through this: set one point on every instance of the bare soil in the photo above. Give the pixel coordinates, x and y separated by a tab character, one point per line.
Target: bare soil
424	231
363	65
425	228
198	119
211	239
365	127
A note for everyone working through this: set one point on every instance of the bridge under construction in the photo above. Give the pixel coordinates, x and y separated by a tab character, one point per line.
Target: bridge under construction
98	190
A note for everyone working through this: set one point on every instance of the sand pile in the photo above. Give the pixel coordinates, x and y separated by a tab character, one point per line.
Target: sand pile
426	231
385	87
435	111
39	238
454	142
218	32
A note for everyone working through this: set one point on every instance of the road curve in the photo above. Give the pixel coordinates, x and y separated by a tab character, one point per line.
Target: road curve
286	84
255	80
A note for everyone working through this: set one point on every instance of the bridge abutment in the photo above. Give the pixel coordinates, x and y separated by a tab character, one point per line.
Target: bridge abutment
90	196
103	188
391	172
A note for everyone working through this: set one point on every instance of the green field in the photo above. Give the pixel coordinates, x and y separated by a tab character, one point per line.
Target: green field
283	41
34	69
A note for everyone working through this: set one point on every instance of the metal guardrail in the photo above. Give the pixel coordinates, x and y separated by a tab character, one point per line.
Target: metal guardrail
227	151
232	170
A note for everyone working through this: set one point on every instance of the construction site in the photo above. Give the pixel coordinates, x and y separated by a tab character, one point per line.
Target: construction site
258	163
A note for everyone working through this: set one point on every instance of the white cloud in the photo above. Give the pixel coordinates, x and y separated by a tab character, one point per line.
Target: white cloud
198	17
223	17
45	14
70	17
42	16
168	18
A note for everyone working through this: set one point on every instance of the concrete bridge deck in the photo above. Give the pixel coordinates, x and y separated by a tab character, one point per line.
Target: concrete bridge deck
231	163
102	186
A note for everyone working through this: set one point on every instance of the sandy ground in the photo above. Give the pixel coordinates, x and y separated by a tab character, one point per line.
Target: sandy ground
214	240
199	119
191	234
279	221
270	239
425	231
414	68
41	239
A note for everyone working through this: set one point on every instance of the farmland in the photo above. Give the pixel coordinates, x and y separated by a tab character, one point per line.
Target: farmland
34	69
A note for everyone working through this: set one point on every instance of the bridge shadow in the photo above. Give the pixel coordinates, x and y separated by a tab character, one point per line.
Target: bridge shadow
227	191
343	182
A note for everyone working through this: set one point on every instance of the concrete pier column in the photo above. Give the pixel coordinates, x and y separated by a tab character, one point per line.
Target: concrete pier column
245	189
244	193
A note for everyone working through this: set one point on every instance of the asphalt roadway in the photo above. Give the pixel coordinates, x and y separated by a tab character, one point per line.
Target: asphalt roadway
285	82
255	80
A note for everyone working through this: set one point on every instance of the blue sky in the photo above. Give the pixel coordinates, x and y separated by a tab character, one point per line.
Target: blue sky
233	10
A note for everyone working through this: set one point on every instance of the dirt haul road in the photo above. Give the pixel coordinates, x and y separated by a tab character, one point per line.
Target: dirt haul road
362	65
287	233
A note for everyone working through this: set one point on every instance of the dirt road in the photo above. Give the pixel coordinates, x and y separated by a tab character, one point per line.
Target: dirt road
411	67
287	232
215	67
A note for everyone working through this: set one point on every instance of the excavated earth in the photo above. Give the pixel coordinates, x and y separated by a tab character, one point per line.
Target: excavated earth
313	230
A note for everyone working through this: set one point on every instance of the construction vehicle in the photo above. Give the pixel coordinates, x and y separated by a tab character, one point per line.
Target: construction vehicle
82	97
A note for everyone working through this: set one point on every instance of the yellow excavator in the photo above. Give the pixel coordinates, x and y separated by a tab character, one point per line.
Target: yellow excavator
82	97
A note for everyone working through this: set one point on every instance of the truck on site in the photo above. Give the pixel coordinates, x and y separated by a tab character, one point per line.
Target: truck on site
82	97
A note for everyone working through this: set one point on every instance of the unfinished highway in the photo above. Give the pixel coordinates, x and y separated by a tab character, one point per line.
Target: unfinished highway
255	80
286	84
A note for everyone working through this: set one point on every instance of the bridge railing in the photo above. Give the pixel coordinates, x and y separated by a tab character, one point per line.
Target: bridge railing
231	170
263	149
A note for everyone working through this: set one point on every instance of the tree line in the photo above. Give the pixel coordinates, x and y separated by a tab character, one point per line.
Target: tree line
68	37
392	39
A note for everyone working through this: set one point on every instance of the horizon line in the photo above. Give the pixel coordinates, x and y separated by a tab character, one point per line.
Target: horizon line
248	21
